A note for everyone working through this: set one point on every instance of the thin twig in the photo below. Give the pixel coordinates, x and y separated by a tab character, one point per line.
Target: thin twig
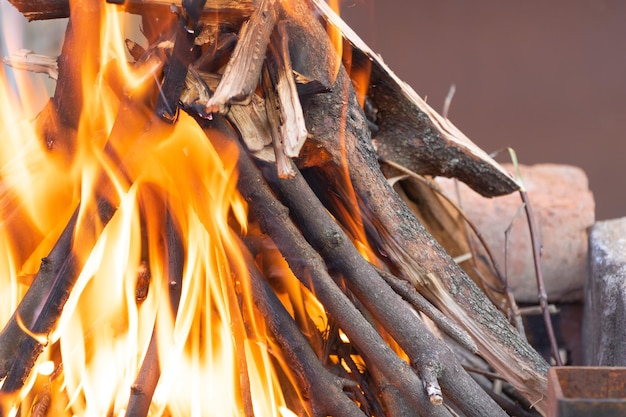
536	250
448	101
472	226
541	288
310	268
417	300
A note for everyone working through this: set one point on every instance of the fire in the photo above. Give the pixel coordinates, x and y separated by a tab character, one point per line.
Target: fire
171	234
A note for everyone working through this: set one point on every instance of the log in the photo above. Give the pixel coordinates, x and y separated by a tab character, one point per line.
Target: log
232	11
324	388
408	248
411	133
435	362
309	267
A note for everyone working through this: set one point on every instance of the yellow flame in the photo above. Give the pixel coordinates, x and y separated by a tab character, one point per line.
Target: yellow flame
149	172
336	37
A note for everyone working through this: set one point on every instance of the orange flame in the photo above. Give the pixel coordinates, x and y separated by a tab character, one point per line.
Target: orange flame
173	194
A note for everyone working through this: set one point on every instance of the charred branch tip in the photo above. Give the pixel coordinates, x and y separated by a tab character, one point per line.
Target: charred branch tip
431	385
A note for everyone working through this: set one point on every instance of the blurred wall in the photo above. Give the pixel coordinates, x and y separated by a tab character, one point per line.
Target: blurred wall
547	78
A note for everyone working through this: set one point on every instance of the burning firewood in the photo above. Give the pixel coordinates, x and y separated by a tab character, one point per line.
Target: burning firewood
264	79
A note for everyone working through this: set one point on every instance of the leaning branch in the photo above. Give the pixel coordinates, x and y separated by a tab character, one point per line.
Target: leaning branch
426	352
310	268
228	10
325	389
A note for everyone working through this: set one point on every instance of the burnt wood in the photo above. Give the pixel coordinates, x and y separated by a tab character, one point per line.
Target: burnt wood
228	10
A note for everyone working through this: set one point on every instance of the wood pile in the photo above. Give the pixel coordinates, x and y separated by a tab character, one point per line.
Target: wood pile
331	143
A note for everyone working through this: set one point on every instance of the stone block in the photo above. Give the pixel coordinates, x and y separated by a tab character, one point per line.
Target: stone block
604	318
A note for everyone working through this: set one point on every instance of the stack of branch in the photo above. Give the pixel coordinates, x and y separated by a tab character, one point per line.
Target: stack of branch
313	159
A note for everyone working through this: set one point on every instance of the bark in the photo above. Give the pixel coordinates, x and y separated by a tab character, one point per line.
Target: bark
228	10
427	353
408	248
411	133
324	388
309	267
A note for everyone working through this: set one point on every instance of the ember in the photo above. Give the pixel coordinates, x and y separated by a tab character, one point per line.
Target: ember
198	224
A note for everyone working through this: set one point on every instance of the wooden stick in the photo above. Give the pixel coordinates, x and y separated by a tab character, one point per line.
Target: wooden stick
241	75
396	231
417	300
426	352
178	63
145	384
43	303
325	389
228	10
12	335
58	122
143	388
309	267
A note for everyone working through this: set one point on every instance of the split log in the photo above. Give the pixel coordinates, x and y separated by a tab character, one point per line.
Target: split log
408	248
293	129
241	75
228	10
414	135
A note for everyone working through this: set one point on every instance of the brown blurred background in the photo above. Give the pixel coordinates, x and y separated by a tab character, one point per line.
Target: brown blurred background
547	78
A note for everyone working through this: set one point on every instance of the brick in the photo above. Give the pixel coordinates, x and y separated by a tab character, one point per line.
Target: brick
564	210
